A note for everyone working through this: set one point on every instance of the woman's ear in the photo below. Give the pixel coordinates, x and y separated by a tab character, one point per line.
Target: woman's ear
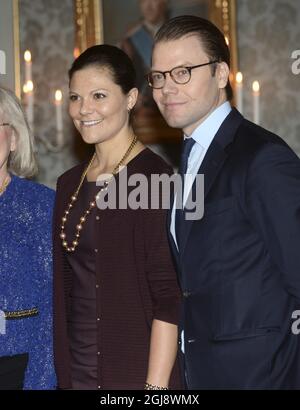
132	98
13	141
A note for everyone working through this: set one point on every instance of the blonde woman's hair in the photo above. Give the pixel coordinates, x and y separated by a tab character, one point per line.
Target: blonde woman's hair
22	161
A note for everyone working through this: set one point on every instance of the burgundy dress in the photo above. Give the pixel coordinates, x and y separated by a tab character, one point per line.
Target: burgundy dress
82	319
108	292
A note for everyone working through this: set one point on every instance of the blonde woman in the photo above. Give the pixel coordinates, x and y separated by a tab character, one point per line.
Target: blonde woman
25	258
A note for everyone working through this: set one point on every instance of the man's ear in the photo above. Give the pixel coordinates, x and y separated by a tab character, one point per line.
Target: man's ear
222	74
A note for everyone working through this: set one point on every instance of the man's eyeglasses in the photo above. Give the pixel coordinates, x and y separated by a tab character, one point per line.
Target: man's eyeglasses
180	75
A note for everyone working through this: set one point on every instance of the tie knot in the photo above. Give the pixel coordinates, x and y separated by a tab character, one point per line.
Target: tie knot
187	146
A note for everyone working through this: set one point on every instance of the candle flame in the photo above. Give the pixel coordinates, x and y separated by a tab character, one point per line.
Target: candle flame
76	52
239	77
29	85
58	95
25	89
27	56
227	40
255	86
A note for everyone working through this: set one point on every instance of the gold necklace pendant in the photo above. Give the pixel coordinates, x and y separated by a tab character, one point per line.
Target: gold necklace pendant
92	204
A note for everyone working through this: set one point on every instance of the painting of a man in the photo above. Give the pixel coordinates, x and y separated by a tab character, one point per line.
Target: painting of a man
138	43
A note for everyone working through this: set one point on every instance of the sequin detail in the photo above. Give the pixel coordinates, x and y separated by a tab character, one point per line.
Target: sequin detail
26	277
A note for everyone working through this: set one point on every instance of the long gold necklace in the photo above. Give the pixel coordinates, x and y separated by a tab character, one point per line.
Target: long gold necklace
4	184
92	204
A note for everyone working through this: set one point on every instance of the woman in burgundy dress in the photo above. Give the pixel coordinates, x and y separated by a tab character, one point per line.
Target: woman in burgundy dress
116	298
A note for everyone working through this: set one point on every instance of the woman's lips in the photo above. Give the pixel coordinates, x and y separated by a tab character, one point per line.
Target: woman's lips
90	123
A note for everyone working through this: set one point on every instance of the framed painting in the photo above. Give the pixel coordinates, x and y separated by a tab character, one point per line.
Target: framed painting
118	22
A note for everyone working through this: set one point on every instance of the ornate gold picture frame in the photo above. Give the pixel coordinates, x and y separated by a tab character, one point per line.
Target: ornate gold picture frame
90	22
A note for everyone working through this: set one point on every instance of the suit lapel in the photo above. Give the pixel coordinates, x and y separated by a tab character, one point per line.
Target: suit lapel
210	167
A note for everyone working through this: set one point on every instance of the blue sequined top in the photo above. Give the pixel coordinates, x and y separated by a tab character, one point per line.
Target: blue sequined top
26	277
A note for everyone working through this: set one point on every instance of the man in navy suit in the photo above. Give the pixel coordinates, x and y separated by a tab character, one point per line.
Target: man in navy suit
239	265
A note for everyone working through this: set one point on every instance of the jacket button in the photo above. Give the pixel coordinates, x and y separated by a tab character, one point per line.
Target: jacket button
186	294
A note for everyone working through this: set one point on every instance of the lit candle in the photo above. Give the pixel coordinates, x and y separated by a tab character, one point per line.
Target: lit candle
28	90
239	91
28	66
256	93
59	120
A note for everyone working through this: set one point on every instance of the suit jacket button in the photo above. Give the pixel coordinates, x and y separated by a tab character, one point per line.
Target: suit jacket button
186	294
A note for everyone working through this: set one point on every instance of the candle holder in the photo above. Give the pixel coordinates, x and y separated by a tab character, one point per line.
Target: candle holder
255	97
28	90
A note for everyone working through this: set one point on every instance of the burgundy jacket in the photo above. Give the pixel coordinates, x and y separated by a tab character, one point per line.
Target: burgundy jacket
137	284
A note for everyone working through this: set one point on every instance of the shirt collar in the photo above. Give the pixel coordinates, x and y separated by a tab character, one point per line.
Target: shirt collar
205	132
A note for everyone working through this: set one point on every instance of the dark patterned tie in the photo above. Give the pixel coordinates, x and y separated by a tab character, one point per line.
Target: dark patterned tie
187	147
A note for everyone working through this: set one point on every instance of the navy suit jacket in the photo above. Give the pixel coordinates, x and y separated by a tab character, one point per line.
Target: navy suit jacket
239	266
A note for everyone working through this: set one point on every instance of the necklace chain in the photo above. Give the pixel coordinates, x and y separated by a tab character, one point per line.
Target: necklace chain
92	204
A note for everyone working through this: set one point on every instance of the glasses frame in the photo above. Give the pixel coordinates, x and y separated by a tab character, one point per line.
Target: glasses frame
189	68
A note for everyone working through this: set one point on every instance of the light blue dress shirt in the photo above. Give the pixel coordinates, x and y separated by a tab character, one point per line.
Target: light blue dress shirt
203	135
